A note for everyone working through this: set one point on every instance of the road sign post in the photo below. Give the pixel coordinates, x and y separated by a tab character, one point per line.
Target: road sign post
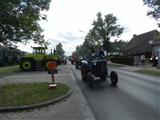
52	67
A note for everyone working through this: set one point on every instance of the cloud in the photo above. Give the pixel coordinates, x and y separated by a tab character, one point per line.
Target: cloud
69	36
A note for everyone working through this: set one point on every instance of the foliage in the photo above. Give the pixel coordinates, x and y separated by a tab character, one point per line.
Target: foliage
106	28
59	50
100	34
123	60
118	46
19	21
154	6
81	50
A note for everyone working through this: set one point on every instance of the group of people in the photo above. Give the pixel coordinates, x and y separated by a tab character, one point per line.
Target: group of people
91	55
154	60
101	54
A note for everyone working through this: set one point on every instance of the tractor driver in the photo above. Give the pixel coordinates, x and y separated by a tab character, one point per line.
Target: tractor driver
100	53
90	56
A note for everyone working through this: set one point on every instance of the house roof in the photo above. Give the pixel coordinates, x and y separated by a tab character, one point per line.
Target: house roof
143	43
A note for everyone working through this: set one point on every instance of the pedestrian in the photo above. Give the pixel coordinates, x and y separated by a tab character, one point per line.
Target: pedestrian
154	61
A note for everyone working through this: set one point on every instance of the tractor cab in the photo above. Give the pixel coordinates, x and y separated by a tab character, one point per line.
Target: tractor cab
39	50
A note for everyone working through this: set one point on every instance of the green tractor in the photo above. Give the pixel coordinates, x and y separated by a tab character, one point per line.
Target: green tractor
38	59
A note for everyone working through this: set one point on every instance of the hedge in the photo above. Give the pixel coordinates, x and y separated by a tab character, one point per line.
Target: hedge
123	60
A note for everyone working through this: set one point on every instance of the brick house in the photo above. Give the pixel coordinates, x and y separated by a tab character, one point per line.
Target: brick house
147	43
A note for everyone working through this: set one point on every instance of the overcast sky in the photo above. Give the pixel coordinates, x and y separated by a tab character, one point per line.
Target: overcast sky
70	20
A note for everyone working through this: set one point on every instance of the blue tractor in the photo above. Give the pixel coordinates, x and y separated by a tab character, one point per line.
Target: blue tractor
97	70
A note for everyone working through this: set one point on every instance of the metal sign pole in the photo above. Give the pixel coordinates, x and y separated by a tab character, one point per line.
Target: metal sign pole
52	67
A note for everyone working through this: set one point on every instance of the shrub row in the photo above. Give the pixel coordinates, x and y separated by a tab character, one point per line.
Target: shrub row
123	60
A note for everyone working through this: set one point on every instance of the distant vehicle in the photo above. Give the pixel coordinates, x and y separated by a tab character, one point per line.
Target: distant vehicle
74	57
69	58
38	59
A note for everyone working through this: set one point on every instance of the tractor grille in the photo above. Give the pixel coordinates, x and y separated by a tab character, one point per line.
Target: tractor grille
99	67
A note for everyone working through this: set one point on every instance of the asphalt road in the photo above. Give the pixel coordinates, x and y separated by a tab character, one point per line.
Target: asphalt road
137	97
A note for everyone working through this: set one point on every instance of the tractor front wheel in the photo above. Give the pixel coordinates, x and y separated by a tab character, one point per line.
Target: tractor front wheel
27	65
114	78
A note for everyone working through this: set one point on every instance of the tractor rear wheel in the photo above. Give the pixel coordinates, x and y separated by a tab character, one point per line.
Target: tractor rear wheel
90	80
84	73
27	64
114	78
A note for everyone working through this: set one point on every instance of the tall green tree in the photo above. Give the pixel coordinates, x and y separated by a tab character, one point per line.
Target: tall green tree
104	29
81	50
59	50
19	21
155	8
119	45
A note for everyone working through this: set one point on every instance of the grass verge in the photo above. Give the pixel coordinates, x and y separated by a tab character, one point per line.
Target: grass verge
29	93
9	69
149	72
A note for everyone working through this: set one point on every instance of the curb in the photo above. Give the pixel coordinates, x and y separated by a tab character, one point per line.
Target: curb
43	104
1	76
8	74
91	115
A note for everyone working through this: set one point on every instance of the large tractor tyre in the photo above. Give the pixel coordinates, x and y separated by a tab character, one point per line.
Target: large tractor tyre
27	64
47	62
84	73
114	78
103	77
77	65
90	80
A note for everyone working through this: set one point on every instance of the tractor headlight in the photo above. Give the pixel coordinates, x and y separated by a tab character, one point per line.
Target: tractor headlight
84	62
94	63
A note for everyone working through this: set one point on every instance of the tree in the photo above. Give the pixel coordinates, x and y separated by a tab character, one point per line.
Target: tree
19	21
84	48
81	50
59	50
104	29
119	46
155	8
100	34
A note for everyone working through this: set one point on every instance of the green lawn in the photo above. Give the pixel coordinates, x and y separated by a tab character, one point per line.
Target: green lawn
9	69
30	93
149	72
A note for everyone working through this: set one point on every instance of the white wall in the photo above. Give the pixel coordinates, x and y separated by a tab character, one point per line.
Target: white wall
157	50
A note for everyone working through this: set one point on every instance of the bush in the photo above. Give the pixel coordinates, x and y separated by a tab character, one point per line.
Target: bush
123	60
